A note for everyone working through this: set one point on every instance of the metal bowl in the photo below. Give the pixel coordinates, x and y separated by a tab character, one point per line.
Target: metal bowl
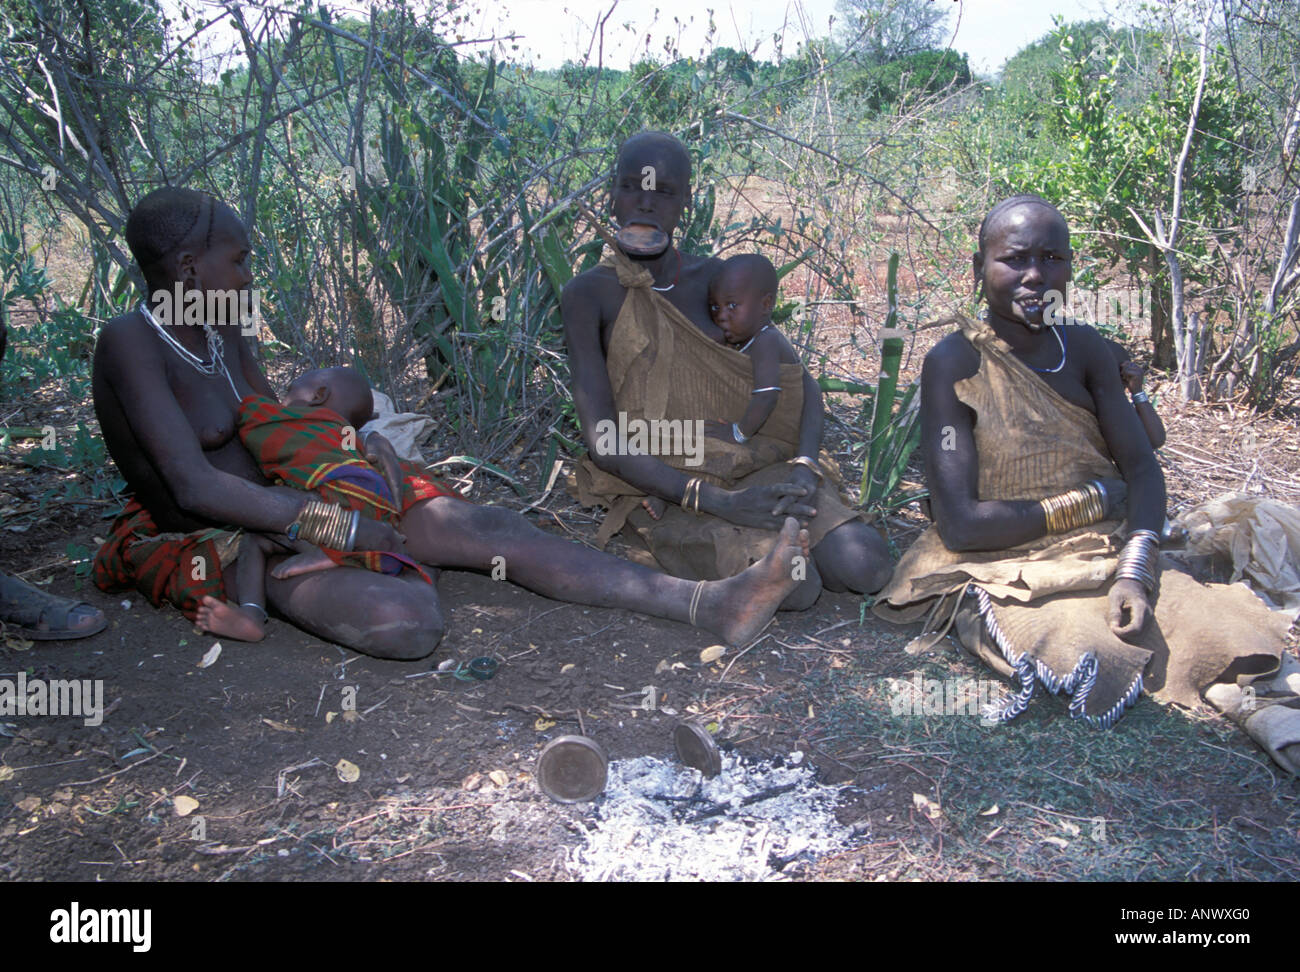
572	769
696	748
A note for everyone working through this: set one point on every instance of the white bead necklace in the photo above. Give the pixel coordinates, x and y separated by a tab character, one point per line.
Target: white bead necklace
216	347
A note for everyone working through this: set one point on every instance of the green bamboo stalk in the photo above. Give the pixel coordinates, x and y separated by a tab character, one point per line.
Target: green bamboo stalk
891	357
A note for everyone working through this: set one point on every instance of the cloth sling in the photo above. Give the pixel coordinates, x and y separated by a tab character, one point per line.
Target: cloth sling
182	568
1037	611
303	447
663	369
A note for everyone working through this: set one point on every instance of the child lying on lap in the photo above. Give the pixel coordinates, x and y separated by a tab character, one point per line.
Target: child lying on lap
310	442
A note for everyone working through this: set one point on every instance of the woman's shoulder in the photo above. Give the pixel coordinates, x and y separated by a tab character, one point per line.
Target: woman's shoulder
125	341
952	358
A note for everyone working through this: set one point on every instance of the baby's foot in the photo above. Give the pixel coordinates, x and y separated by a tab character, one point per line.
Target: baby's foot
229	621
654	506
738	608
303	563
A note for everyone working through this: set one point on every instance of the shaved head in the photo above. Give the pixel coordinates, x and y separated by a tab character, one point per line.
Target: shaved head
344	391
1009	205
659	146
752	270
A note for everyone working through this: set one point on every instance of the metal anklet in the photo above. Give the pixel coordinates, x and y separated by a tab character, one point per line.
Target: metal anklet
695	599
255	607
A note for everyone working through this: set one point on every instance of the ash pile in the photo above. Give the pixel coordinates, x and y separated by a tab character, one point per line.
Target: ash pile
758	820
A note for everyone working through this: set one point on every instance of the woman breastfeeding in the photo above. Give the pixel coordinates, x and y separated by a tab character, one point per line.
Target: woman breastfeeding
168	381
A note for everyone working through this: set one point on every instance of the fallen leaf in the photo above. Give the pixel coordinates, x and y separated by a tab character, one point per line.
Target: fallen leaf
926	806
348	772
211	656
330	717
838	662
185	805
667	710
281	726
14	643
990	811
1070	828
28	804
6	773
662	667
543	723
472	782
351	715
1056	842
567	668
446	664
712	653
499	777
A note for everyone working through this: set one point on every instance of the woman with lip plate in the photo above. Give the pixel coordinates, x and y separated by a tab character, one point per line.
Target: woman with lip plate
1048	503
643	348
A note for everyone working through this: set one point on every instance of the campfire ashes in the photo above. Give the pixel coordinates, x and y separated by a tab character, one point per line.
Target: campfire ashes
659	821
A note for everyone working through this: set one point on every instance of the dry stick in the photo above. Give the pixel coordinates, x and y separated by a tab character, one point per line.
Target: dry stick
723	676
118	772
714	809
279	777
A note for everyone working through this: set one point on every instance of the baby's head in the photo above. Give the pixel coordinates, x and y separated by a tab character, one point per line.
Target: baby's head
186	236
741	296
343	390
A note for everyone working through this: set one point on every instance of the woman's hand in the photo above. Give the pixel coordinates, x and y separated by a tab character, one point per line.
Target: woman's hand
377	535
758	506
380	452
1129	609
1131	374
805	479
718	430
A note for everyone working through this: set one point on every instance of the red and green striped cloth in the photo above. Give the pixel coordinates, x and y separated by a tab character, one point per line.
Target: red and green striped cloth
181	568
303	447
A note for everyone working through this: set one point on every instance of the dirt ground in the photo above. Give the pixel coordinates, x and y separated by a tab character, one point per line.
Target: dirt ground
249	747
445	787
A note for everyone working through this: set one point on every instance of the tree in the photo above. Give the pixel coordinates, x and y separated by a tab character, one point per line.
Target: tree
880	31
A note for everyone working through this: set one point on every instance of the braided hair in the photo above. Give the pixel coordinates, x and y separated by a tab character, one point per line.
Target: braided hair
165	219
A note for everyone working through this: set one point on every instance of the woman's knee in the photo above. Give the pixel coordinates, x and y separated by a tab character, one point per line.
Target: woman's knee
854	557
405	630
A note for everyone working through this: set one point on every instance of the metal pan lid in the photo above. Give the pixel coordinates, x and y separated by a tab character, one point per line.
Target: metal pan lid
696	748
572	769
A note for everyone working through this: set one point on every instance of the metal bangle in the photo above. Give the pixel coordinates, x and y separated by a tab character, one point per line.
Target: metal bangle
810	464
1140	397
352	531
737	434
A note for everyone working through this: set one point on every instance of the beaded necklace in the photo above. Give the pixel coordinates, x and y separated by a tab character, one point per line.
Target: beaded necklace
664	290
216	345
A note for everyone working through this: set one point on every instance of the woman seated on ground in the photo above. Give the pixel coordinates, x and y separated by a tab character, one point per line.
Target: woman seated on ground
167	396
1033	457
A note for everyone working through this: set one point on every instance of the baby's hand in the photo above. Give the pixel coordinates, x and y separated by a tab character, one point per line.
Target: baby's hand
654	506
1131	374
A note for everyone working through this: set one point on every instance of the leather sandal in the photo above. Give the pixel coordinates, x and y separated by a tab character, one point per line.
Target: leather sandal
38	616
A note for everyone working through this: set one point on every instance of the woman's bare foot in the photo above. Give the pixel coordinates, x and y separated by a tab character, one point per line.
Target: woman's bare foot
738	608
654	506
229	621
302	563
